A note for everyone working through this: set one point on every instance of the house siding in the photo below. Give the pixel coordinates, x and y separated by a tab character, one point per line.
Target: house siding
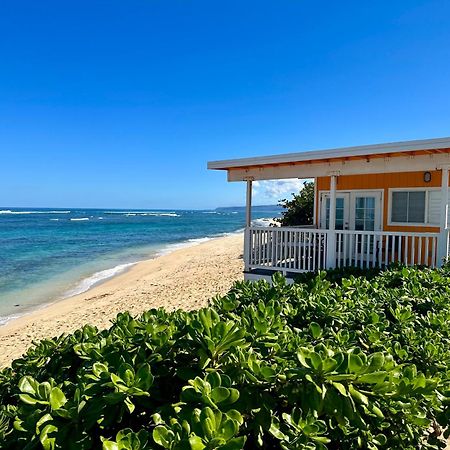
383	181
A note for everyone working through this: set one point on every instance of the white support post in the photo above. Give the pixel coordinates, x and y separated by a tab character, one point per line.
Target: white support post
248	222
248	204
331	233
316	191
443	235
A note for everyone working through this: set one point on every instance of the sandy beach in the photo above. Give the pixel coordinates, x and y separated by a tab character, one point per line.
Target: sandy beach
185	279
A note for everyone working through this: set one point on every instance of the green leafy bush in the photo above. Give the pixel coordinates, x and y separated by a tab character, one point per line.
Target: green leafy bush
336	361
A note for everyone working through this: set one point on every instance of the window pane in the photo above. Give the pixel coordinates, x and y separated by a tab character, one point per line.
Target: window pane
365	213
399	211
340	203
359	213
339	225
359	224
370	202
370	225
416	207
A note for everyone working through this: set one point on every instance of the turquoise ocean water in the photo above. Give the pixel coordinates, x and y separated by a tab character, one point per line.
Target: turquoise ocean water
50	254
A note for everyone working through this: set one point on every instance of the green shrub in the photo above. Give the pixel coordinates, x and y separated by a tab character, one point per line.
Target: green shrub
331	362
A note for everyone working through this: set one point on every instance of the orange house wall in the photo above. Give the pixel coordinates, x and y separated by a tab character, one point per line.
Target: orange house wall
383	181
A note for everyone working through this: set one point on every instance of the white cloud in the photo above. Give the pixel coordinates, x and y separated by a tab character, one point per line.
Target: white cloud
274	190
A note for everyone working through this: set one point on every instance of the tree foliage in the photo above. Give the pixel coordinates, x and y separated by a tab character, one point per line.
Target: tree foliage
300	209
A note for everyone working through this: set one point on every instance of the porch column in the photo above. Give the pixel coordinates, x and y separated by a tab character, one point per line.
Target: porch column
442	241
331	233
316	199
248	222
248	204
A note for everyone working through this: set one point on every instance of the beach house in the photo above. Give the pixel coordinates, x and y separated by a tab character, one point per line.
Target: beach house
374	205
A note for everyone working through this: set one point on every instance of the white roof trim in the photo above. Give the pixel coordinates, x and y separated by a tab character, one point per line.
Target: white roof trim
364	150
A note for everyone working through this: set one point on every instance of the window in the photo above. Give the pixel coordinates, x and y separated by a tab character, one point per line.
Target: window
365	213
339	223
408	207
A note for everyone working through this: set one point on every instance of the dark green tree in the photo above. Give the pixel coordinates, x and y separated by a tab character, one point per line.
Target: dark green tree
300	209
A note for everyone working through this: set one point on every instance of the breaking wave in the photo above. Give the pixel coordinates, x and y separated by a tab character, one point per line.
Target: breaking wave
144	213
10	211
97	277
264	222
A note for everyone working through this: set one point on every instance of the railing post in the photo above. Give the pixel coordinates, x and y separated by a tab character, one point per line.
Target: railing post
247	241
442	251
248	223
248	203
331	233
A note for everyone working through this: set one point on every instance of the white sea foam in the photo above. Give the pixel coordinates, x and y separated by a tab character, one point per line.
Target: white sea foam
199	240
9	211
87	283
157	214
144	213
5	319
179	245
194	241
119	212
97	277
220	213
54	220
103	275
77	219
264	222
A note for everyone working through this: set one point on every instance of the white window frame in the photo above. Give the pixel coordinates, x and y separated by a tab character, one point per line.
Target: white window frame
351	204
426	223
378	222
323	195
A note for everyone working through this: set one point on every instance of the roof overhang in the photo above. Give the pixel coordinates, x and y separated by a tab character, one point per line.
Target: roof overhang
426	154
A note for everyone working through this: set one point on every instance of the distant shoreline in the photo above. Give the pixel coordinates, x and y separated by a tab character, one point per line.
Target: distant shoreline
102	276
51	254
185	278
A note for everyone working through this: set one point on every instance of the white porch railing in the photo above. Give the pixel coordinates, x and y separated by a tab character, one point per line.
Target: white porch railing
296	250
367	249
287	249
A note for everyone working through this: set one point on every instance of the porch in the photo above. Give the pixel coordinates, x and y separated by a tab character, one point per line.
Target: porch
373	206
292	250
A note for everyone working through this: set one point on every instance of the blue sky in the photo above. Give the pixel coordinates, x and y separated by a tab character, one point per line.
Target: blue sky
121	103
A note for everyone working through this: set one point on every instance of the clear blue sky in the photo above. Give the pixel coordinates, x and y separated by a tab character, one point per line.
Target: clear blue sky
121	103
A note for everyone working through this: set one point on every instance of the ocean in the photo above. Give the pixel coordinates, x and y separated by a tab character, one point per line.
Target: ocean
50	254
